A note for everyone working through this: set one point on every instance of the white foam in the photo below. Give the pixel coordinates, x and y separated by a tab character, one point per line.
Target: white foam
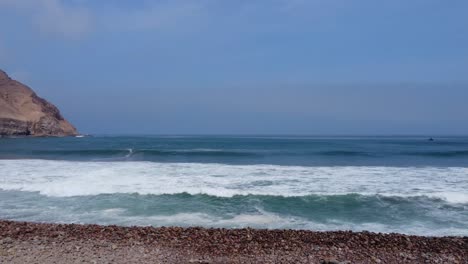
202	219
71	178
261	219
130	152
453	197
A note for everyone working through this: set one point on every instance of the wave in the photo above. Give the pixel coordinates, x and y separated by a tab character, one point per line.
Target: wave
435	154
195	152
313	202
82	152
130	153
142	152
345	153
420	214
440	154
213	154
67	178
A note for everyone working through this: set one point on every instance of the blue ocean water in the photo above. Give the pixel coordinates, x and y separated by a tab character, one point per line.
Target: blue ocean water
383	184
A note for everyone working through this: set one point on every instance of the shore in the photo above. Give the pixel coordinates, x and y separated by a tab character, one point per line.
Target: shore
22	242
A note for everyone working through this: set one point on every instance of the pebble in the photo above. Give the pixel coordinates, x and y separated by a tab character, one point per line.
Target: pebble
7	240
329	261
99	244
199	261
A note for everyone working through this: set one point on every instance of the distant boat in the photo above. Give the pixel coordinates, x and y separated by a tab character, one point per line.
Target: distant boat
431	139
80	136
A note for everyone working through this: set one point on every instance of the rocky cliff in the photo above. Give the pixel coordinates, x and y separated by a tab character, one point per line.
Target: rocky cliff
23	113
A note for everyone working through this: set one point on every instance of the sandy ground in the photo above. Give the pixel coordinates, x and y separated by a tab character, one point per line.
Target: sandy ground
53	243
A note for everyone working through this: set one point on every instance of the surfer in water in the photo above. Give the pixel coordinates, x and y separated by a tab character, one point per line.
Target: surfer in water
431	139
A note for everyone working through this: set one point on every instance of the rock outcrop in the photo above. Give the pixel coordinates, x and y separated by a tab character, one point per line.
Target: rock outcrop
23	113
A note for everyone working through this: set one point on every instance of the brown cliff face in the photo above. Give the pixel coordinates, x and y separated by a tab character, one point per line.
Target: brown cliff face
23	113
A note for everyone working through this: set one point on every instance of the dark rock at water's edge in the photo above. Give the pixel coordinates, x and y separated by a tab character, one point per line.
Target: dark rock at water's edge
23	113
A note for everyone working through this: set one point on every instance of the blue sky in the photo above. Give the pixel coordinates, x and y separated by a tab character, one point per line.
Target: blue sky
244	67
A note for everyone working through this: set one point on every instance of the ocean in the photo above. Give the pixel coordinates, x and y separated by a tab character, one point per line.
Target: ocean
407	185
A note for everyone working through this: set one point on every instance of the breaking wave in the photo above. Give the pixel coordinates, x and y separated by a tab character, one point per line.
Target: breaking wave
73	178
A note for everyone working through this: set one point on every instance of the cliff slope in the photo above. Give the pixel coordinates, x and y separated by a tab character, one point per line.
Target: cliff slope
23	113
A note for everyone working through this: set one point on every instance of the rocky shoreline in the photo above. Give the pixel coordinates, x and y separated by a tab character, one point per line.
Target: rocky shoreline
22	242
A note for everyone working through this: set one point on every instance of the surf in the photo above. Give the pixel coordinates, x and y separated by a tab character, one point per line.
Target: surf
75	178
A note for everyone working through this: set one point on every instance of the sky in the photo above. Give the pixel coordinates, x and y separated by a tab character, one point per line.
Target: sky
334	67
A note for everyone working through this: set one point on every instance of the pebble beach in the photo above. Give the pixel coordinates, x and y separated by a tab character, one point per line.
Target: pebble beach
24	242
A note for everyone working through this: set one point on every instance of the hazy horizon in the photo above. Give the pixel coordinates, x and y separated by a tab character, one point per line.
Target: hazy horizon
312	68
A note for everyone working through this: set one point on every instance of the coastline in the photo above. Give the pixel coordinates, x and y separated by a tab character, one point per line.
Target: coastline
26	242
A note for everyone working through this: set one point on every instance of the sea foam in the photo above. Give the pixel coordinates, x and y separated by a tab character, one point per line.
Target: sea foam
72	178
